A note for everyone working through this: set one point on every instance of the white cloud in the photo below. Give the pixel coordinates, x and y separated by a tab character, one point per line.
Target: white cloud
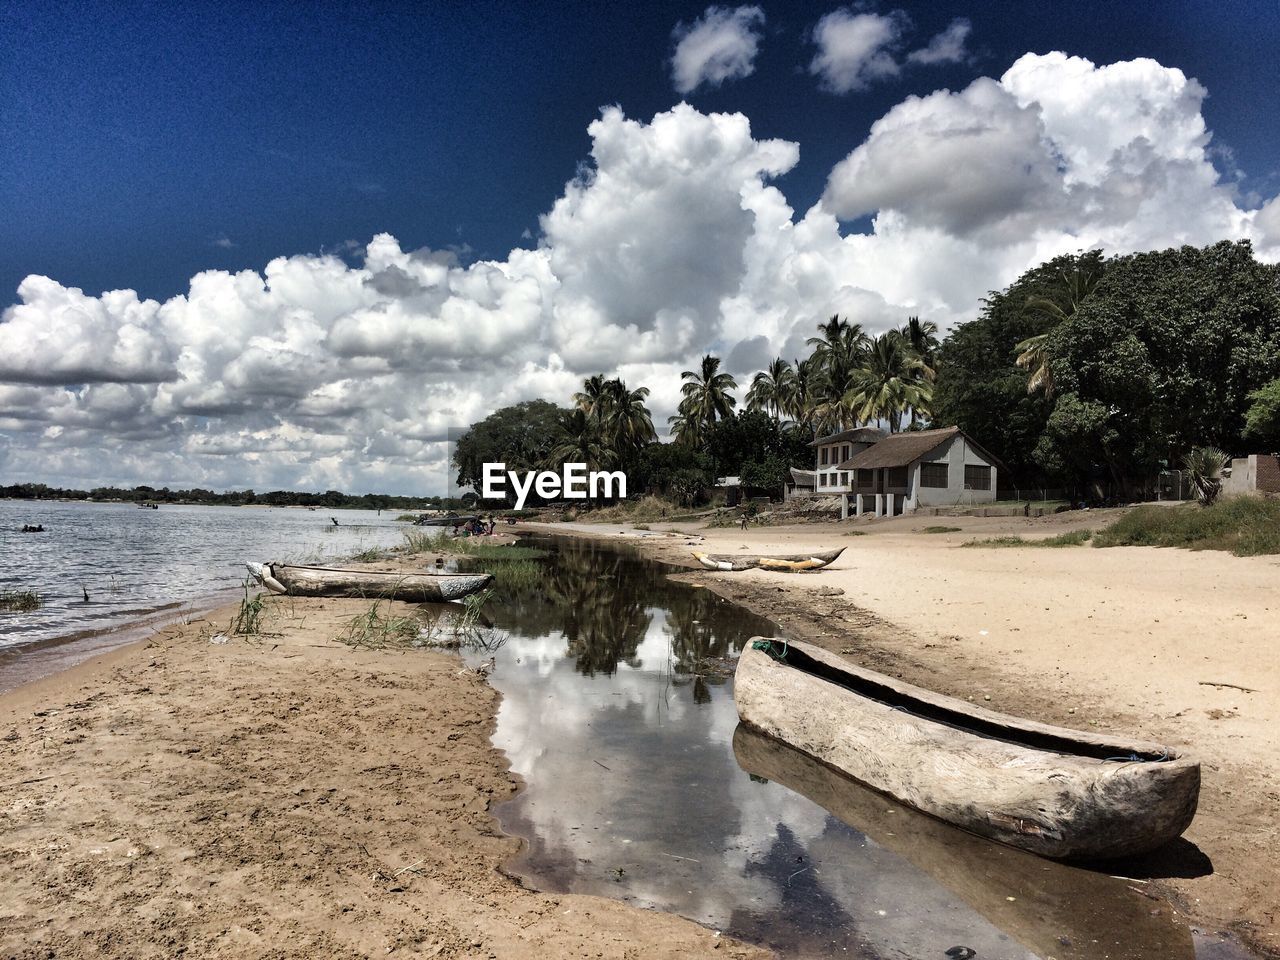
856	49
720	45
319	372
946	47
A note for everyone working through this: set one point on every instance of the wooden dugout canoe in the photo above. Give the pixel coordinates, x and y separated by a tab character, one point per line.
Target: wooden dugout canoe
301	581
1059	910
1057	792
748	561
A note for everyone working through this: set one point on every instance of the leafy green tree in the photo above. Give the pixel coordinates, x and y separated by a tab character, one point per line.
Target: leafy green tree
521	436
1062	301
1170	344
1262	421
980	388
674	470
754	437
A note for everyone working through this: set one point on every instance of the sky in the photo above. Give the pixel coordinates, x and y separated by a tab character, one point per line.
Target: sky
295	245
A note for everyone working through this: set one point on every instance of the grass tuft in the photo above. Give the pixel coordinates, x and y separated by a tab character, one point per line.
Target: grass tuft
1072	538
1244	526
247	621
20	601
419	541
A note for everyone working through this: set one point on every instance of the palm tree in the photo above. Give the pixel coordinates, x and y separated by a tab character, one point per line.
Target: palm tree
577	440
685	429
1034	354
769	387
706	392
591	399
1205	464
892	382
798	401
840	349
923	340
627	423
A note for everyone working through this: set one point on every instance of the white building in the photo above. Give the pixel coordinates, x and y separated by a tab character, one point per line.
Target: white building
831	479
888	475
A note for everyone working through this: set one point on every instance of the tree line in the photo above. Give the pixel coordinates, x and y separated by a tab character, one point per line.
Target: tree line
330	499
1088	372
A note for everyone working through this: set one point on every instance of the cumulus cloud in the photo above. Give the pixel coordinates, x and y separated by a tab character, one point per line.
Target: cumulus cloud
856	49
350	371
720	45
946	47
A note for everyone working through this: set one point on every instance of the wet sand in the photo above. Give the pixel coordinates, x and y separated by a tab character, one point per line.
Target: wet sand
1150	641
280	797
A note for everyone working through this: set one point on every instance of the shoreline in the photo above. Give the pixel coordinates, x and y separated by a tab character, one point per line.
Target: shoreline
301	666
869	605
285	795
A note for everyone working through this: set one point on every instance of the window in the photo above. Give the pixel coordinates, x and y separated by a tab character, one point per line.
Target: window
897	477
844	452
823	461
977	477
934	474
844	479
866	479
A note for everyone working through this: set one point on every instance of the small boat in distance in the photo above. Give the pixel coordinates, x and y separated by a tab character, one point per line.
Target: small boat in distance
452	521
749	561
1057	792
302	581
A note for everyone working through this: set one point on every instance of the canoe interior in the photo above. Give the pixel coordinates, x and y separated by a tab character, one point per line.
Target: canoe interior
797	659
381	574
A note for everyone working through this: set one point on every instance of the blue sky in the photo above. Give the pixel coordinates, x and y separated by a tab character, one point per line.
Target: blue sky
136	138
296	245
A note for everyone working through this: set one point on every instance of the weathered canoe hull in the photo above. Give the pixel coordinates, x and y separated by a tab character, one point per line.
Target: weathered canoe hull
444	521
300	581
795	563
1054	913
1055	797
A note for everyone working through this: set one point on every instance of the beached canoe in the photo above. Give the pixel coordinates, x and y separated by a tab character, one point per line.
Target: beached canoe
1060	910
749	561
299	581
1057	792
444	521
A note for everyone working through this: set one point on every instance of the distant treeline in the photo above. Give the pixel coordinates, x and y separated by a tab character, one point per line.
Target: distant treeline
332	499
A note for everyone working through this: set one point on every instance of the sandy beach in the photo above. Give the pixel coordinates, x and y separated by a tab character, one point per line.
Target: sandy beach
1171	645
289	796
285	797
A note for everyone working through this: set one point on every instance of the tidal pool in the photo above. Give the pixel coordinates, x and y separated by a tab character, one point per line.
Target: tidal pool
618	714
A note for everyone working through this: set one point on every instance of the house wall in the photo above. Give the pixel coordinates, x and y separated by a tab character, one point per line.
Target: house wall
956	454
837	453
1257	473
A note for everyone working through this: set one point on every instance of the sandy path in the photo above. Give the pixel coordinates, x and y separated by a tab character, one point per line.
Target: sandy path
286	798
1123	638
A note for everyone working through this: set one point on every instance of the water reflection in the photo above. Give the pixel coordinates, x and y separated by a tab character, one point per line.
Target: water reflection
634	791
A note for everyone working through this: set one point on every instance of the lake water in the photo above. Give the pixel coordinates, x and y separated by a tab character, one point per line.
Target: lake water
642	786
145	564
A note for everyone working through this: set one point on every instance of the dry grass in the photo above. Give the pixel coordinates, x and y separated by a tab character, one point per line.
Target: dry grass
1245	526
1072	538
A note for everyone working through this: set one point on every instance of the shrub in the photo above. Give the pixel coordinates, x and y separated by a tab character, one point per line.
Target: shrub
1246	526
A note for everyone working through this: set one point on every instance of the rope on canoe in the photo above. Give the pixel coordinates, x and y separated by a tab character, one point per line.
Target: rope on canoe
771	648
